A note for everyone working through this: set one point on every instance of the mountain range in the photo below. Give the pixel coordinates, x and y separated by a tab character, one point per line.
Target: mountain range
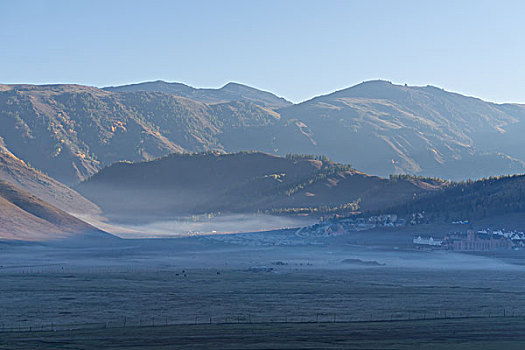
72	131
382	128
173	150
227	93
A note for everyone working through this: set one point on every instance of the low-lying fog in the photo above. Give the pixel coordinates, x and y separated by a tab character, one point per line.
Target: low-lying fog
281	250
201	225
205	252
243	241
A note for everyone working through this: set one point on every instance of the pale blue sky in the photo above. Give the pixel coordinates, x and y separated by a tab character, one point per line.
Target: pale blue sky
296	49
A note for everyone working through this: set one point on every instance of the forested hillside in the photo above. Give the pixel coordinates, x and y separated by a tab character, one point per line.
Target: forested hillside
470	200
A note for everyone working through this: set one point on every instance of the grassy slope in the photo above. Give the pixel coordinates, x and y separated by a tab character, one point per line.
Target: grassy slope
26	217
15	171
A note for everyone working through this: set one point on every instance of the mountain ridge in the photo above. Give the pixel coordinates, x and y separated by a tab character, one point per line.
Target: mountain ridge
406	122
229	92
72	131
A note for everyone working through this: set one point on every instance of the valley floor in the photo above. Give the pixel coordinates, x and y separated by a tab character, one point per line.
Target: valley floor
258	291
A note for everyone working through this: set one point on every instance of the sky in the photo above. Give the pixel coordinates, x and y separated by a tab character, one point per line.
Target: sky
296	49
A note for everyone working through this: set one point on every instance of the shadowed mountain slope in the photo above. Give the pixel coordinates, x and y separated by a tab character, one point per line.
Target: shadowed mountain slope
242	182
28	218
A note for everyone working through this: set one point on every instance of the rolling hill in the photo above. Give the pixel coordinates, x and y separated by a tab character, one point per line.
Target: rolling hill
25	217
72	131
246	182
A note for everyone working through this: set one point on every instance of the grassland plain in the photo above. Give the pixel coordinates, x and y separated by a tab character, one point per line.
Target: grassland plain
209	293
122	298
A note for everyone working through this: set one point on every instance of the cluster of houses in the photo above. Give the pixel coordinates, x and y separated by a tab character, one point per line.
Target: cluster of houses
482	240
334	227
515	236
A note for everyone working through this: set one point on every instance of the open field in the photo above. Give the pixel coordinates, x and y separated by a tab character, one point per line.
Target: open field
252	290
135	297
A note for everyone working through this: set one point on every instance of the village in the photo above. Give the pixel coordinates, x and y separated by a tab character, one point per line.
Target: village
335	227
308	235
481	240
468	240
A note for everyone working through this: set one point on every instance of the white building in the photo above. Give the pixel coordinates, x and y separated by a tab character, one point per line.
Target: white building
430	241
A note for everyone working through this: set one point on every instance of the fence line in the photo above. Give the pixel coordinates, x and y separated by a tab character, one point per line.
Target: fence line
256	319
